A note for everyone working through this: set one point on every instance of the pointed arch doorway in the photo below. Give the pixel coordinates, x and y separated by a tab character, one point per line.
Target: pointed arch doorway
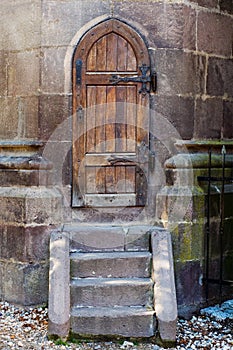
111	78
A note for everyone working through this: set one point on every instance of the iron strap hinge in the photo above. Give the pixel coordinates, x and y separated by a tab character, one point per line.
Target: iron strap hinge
144	79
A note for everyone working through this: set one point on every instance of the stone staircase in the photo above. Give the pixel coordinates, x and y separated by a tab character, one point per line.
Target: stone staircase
102	283
112	294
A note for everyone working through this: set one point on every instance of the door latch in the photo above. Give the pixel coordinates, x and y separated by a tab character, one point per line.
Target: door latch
144	79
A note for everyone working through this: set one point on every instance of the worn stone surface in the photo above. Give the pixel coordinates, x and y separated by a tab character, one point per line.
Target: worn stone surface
167	25
3	72
62	20
96	238
111	291
24	243
187	241
8	117
178	111
16	32
53	110
227	119
208	118
220	77
25	205
53	70
25	284
23	72
59	279
126	322
179	72
137	238
189	273
17	177
214	33
165	303
117	264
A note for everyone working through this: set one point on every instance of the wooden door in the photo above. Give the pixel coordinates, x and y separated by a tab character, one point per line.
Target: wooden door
110	119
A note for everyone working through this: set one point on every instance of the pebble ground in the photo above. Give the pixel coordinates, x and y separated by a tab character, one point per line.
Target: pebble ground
26	329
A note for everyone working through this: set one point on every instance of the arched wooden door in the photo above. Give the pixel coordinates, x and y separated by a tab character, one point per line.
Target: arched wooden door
111	73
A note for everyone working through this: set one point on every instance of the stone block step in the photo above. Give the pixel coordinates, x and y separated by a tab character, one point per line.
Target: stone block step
114	321
102	292
112	264
108	238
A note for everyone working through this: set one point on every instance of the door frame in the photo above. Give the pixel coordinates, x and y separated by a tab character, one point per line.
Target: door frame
91	36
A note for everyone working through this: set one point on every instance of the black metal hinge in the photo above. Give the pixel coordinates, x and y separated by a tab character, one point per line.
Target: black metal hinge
144	79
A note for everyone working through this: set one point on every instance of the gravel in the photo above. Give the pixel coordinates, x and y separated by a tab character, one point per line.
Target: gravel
24	329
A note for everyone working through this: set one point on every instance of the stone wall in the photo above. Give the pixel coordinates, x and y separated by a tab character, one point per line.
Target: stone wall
190	45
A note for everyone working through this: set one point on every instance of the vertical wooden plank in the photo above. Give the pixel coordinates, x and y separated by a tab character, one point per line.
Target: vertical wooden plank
111	52
120	179
131	59
110	119
101	54
91	59
100	118
130	179
121	94
90	118
100	180
131	118
110	179
90	180
122	51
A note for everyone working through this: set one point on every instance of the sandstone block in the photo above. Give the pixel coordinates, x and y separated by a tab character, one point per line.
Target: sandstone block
25	284
113	264
208	118
43	206
24	243
180	20
179	112
188	299
53	71
28	117
214	33
11	177
227	119
58	19
12	206
120	321
59	289
165	303
3	73
179	72
8	117
111	292
220	77
16	32
188	241
53	111
30	205
23	73
137	238
96	238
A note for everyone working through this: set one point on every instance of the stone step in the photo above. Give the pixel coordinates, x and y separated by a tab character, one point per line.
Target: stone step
108	238
112	264
113	321
102	292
